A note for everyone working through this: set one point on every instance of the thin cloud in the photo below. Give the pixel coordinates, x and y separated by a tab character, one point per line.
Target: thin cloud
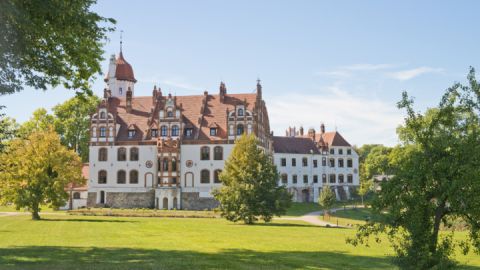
359	120
405	75
369	67
348	71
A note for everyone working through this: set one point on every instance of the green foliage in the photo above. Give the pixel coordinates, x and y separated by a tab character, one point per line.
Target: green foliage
436	180
8	130
72	122
250	188
40	121
327	198
50	42
35	171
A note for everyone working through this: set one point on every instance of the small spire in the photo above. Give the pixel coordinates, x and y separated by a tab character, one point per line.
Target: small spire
121	40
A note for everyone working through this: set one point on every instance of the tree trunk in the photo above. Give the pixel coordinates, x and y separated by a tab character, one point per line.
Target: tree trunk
439	212
35	215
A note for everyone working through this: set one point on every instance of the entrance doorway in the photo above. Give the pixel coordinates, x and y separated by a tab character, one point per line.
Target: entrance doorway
305	195
165	203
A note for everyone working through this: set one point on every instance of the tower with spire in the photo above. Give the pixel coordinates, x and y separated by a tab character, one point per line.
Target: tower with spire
120	77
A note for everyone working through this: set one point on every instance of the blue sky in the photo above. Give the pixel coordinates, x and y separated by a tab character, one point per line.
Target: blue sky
344	63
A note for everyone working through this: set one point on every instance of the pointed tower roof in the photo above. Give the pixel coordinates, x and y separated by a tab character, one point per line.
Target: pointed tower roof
124	70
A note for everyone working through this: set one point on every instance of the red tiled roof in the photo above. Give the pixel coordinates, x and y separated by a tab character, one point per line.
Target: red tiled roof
215	113
294	145
124	70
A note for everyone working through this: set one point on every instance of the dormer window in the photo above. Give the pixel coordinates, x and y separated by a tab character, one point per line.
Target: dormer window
170	114
131	133
240	112
102	115
188	132
213	131
154	132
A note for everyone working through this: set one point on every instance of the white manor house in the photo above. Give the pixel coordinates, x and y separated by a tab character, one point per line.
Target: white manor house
163	151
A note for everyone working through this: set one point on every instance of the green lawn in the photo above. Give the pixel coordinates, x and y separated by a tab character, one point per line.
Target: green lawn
351	216
77	242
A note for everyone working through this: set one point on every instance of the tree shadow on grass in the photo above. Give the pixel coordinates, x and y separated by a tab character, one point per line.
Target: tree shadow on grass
88	220
58	257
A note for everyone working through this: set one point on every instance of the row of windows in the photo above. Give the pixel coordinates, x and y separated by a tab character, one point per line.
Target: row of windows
315	163
121	154
163	164
175	131
121	177
340	151
205	176
217	153
332	178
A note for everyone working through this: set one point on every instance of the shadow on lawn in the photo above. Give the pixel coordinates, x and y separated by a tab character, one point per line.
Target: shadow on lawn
48	257
88	220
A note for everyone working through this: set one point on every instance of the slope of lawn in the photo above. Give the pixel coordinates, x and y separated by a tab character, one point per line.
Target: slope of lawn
79	242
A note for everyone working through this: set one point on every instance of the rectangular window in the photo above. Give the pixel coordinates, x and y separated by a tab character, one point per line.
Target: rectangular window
349	163
340	178
283	162
131	133
315	179
315	164
324	162
324	178
154	133
305	179
349	178
103	132
284	178
294	178
332	162
340	151
332	178
332	151
188	132
340	162
304	162
349	151
294	162
213	132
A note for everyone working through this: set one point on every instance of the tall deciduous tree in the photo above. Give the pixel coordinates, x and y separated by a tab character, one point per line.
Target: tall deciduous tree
8	130
72	122
40	120
35	171
250	190
50	42
327	199
436	180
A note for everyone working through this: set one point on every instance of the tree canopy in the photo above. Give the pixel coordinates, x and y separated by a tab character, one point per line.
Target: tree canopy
250	185
50	42
35	171
8	130
436	181
327	198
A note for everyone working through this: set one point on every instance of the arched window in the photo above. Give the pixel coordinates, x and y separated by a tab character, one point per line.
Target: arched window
175	130
332	178
163	131
216	176
349	163
133	154
340	178
218	153
174	164
76	195
240	112
205	177
121	177
332	162
240	129
133	177
102	115
284	178
205	153
165	165
122	154
349	178
102	154
103	132
324	178
102	177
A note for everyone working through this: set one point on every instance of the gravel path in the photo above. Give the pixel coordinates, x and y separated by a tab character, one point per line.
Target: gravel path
312	218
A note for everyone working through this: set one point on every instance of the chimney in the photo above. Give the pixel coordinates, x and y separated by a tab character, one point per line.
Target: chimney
223	91
311	134
322	129
129	100
301	130
154	94
259	90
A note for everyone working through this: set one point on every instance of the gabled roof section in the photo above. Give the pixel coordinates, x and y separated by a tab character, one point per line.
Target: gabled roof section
294	145
335	139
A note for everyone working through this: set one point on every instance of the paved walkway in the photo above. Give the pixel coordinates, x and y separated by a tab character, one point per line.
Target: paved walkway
313	218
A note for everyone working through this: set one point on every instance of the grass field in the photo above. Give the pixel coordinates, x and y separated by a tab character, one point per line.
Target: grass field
77	242
351	216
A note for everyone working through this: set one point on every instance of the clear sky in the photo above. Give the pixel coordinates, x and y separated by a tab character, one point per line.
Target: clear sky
344	63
